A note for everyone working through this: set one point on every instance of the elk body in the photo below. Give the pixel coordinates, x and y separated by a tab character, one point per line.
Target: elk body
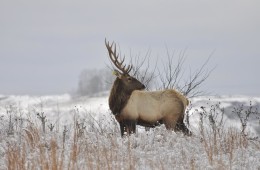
132	106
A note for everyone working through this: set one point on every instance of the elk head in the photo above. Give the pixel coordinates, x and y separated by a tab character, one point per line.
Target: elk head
127	82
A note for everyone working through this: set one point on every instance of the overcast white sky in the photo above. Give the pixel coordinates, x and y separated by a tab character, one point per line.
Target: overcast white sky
44	45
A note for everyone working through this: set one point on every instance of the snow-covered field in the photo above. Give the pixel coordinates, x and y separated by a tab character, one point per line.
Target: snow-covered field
63	132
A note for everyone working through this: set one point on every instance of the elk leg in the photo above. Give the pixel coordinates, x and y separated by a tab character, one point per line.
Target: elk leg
130	126
180	126
169	122
122	128
169	125
134	126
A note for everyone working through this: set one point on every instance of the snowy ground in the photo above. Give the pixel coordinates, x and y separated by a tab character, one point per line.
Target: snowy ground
156	149
62	108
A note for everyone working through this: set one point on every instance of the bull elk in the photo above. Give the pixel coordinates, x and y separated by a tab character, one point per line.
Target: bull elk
132	105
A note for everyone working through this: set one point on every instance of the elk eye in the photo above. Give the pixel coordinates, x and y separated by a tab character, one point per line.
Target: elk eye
129	78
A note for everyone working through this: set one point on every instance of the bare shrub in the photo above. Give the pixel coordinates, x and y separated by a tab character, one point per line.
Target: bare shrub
174	76
244	114
143	70
211	128
43	120
218	139
171	75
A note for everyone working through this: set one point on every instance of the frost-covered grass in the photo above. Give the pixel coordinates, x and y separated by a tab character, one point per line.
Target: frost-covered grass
58	132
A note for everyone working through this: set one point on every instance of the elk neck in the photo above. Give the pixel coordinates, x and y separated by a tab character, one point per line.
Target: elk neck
118	97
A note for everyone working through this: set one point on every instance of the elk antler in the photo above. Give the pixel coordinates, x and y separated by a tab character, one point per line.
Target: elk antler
114	58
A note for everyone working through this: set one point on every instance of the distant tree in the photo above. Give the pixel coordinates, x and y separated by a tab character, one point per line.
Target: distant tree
95	84
92	81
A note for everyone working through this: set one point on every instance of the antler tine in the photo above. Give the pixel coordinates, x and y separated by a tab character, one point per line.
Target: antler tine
112	55
129	68
122	61
114	58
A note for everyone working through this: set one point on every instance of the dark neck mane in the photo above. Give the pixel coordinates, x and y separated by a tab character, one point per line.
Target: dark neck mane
118	97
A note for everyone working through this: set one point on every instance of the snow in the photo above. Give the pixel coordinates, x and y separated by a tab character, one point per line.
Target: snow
99	145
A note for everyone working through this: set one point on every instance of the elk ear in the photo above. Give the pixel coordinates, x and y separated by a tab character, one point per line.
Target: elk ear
117	73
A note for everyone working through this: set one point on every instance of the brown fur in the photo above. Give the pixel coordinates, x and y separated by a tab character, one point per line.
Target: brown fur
121	91
117	98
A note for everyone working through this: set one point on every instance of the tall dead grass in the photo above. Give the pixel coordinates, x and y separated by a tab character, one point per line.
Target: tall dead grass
221	142
96	144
